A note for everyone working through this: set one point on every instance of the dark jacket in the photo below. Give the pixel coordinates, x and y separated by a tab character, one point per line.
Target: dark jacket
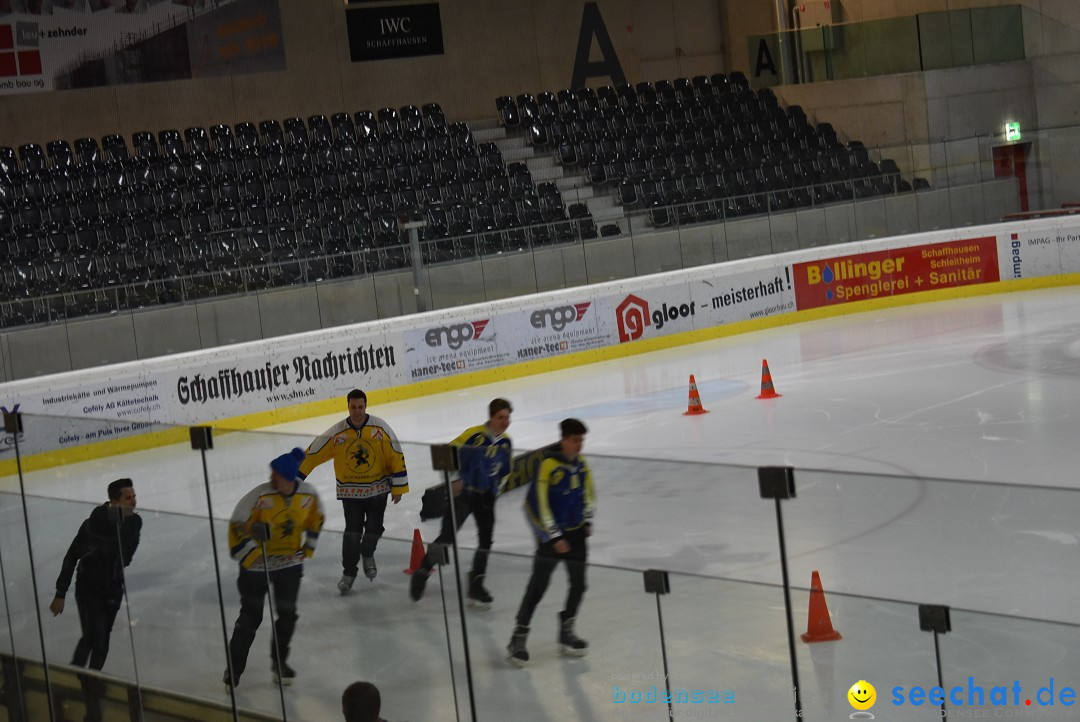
100	553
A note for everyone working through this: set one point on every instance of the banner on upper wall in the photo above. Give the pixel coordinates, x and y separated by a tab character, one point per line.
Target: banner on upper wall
60	44
194	388
394	31
704	302
1041	252
896	271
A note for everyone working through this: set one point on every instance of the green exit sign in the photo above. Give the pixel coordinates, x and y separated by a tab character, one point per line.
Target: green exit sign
1012	131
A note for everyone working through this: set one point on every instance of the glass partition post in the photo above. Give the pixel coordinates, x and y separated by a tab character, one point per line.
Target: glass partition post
14	697
202	440
445	459
14	425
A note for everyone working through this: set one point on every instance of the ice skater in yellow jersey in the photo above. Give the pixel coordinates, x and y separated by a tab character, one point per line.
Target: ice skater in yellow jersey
273	529
368	465
484	453
559	508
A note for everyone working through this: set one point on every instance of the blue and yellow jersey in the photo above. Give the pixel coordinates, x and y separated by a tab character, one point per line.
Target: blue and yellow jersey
368	460
295	522
484	457
561	498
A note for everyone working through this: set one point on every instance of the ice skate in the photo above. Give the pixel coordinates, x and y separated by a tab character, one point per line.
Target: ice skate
418	583
370	570
516	654
571	644
285	676
479	597
345	584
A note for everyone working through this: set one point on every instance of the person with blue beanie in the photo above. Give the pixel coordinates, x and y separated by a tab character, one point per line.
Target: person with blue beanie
273	530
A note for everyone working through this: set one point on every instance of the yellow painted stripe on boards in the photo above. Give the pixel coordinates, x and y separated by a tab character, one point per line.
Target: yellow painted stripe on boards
297	412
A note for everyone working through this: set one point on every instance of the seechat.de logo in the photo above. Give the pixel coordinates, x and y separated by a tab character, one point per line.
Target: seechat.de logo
559	318
455	336
632	316
862	696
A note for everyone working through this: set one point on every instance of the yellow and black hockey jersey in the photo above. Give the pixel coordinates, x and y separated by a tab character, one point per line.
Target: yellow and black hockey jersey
368	460
485	458
295	522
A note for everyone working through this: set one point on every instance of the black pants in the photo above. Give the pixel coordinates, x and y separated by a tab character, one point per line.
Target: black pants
363	527
544	564
482	508
252	586
97	612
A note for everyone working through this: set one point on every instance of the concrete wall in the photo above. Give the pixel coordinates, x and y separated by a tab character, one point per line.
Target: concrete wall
532	45
163	331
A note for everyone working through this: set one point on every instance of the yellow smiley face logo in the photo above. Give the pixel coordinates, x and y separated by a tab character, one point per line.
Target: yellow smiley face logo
862	695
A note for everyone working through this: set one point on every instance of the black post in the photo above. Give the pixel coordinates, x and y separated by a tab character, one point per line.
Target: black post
134	701
778	482
13	425
261	532
935	618
446	623
202	439
656	582
10	673
444	458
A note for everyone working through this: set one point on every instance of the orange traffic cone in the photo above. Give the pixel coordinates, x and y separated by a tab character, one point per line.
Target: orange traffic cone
767	389
694	407
819	626
417	558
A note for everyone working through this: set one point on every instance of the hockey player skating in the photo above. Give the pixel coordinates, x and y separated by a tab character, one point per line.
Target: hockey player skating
484	454
559	507
273	529
103	546
368	466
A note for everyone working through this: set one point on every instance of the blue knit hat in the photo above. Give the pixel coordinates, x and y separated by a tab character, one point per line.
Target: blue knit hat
288	465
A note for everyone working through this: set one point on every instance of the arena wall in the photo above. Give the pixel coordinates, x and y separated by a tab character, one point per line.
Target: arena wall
259	383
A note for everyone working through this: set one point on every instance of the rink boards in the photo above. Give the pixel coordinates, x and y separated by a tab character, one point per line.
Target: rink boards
281	379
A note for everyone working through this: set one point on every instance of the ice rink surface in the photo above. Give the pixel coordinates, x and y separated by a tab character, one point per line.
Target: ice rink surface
935	448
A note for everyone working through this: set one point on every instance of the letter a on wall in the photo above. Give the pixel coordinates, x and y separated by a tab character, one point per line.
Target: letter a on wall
764	60
592	25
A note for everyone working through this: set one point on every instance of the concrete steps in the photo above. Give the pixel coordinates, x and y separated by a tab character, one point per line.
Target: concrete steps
487	135
573	183
484	124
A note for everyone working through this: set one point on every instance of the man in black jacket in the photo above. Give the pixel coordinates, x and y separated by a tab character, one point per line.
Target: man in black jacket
105	544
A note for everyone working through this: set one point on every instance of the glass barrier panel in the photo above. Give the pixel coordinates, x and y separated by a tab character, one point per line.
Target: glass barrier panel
871	220
979	548
812	226
994	665
698	238
372	631
840	217
610	257
609	678
997	34
945	39
783	230
934	209
931	541
881	47
506	275
100	565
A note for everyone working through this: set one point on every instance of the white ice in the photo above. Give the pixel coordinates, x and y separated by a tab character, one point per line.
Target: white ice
875	409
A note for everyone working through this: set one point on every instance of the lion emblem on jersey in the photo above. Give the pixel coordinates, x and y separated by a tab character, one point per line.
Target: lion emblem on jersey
360	455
